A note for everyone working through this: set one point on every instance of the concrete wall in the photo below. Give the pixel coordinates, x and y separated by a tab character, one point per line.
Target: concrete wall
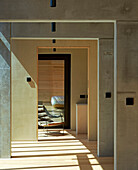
92	91
24	94
126	153
5	136
63	30
106	102
37	10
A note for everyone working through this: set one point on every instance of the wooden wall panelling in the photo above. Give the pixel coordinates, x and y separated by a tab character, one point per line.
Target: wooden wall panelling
50	79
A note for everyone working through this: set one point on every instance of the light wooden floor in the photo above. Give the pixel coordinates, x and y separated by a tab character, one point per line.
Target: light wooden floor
56	152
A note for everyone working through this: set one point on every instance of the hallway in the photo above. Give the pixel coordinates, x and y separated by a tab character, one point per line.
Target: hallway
56	152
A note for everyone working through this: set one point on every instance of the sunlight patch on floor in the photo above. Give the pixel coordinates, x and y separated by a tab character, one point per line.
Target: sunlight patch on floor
64	152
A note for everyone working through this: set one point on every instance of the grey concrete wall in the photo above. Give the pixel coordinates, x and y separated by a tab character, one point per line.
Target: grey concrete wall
63	30
106	105
126	153
5	142
68	10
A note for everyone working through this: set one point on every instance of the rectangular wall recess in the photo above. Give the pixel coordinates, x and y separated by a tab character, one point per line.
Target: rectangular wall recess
53	27
129	101
52	3
108	95
83	96
53	41
28	79
54	49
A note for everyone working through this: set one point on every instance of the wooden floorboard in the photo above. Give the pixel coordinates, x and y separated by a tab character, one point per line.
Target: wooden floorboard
56	152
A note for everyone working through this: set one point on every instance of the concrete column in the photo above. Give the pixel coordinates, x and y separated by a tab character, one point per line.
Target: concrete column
92	92
126	154
5	141
106	98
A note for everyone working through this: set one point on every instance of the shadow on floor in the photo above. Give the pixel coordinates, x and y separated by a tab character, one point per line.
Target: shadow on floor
56	152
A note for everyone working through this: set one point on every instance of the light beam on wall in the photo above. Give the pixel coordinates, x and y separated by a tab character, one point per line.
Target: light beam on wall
5	41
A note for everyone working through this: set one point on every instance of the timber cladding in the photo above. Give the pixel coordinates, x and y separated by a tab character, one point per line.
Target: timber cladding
50	79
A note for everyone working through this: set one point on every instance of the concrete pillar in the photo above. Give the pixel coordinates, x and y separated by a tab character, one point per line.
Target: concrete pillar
5	142
92	92
126	154
106	98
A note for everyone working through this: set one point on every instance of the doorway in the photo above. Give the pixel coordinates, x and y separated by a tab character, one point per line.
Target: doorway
27	97
56	96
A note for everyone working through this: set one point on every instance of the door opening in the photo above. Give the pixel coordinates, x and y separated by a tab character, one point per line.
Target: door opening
54	88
